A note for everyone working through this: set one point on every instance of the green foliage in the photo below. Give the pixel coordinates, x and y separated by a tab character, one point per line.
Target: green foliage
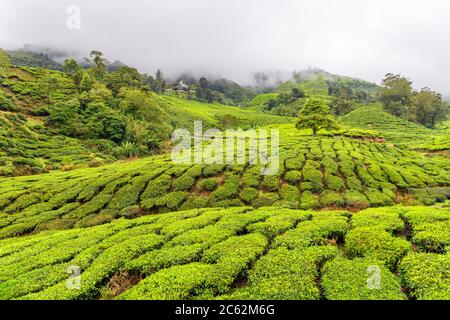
200	254
376	243
345	279
315	115
427	274
5	60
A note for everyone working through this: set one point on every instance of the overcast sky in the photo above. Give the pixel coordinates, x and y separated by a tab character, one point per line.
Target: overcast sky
233	38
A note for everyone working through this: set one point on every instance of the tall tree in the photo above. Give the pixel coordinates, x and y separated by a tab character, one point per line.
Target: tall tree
160	83
396	95
315	115
429	107
70	66
203	83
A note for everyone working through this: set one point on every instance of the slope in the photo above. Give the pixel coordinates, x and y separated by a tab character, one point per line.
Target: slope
397	130
237	253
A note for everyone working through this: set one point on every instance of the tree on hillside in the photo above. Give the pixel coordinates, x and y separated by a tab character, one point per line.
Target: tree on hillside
70	66
297	93
5	61
203	83
99	63
396	95
160	83
86	83
341	107
429	107
315	115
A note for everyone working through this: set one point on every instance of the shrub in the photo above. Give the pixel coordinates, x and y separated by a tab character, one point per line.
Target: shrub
432	237
313	176
285	274
248	194
331	198
384	218
293	177
353	184
426	275
209	184
355	199
309	200
183	183
228	190
345	279
271	183
153	261
333	182
172	200
377	199
278	224
265	199
295	163
290	194
376	243
315	232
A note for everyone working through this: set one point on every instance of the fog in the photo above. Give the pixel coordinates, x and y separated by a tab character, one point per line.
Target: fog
235	38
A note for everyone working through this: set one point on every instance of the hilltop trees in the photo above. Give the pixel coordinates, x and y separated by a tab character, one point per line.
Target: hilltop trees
398	98
396	95
70	66
315	115
5	61
429	107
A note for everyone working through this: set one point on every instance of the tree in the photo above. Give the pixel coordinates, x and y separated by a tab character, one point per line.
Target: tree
315	115
203	83
396	95
429	107
340	107
86	83
99	62
5	61
160	83
70	66
297	93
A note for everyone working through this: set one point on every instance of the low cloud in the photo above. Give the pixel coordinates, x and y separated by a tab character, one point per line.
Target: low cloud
236	38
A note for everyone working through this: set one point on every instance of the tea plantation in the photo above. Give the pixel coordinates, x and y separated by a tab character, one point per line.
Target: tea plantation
314	173
238	253
360	212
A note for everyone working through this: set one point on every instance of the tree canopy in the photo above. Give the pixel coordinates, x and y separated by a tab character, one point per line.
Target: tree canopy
315	115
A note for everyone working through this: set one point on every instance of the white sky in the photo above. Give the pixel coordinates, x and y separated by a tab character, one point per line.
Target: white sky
233	38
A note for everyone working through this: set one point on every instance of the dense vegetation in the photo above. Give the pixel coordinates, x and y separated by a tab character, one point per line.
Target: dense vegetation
360	188
239	253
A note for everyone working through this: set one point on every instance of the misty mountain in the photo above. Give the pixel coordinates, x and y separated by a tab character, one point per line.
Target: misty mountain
33	59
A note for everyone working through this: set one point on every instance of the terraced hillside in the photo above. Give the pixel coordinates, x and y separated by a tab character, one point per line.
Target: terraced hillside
314	173
27	147
184	112
238	253
397	130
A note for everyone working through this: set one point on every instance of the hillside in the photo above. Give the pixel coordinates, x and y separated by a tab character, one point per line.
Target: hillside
29	146
396	130
238	253
314	173
88	184
317	82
